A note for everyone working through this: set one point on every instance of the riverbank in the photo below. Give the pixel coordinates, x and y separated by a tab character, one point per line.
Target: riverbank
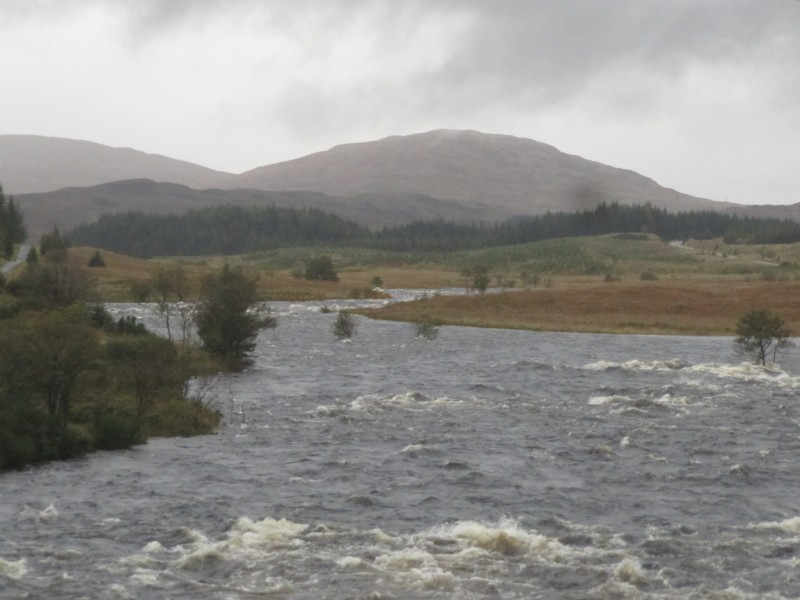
710	307
702	296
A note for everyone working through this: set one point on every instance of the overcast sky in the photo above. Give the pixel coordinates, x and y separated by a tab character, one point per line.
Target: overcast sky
701	95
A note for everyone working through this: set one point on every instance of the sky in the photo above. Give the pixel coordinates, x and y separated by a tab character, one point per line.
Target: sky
701	95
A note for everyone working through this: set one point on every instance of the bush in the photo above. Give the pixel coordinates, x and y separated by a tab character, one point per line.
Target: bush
761	334
427	329
101	318
345	326
769	275
321	269
116	431
648	276
140	290
97	261
229	317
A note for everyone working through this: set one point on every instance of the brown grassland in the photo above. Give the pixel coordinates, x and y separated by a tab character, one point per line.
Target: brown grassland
704	296
672	307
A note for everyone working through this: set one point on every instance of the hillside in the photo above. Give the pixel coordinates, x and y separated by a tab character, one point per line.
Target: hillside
465	176
510	174
70	207
31	163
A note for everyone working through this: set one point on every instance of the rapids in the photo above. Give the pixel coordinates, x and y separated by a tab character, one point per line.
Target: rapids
483	464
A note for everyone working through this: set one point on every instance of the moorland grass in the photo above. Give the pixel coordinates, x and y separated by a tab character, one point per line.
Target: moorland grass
584	284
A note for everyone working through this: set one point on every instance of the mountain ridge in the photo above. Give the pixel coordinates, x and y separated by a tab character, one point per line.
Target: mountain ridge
460	175
36	164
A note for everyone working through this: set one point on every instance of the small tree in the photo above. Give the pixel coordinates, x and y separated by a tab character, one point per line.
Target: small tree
147	366
426	328
480	278
97	261
761	334
345	326
140	290
229	317
321	269
476	278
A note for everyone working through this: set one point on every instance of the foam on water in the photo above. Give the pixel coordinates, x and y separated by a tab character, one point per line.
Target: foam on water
638	365
632	477
748	372
13	569
31	514
375	404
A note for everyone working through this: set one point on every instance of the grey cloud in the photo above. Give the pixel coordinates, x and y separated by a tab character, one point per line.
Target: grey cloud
544	51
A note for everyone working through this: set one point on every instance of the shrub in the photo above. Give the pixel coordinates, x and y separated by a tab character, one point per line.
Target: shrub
345	325
321	269
648	276
229	317
116	431
769	275
427	329
761	334
97	261
140	290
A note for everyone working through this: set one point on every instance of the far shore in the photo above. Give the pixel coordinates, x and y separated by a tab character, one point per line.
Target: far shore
685	304
703	308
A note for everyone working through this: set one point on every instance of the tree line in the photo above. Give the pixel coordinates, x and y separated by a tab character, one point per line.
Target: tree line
217	230
224	230
12	226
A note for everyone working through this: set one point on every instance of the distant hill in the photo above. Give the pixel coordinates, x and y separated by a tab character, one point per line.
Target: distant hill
70	207
32	163
509	174
464	176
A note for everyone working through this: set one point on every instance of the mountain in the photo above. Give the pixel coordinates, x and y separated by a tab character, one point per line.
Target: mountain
31	163
70	207
509	174
455	175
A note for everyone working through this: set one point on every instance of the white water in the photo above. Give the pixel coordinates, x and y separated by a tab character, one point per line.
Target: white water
483	464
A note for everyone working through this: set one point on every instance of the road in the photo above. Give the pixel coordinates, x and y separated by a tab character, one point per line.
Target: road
22	255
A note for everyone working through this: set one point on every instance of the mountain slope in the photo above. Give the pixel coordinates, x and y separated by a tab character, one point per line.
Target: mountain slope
464	176
70	207
512	175
30	163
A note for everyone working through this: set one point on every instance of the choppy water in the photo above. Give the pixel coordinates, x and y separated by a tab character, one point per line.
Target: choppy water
484	464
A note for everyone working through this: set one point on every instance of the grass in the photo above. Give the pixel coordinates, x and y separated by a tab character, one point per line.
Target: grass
585	284
675	308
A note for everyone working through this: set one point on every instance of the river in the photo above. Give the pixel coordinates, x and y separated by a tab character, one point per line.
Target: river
483	464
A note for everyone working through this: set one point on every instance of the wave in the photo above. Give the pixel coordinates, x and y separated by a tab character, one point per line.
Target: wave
791	525
32	514
372	403
638	365
461	559
13	569
742	371
664	400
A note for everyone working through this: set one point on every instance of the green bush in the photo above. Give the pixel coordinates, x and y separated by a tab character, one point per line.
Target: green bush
321	269
77	440
648	276
345	326
116	431
427	329
17	448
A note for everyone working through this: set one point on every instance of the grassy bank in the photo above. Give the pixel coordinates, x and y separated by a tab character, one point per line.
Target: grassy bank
666	307
629	283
